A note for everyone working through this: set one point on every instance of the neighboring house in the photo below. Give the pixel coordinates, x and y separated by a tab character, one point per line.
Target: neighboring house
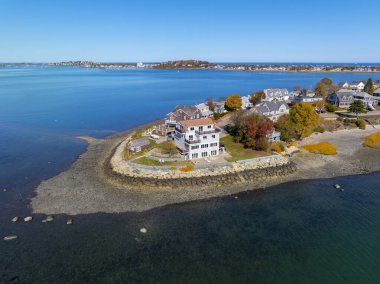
307	99
366	99
220	107
342	98
139	144
293	94
204	109
182	113
276	94
376	93
273	109
357	86
246	102
197	138
344	85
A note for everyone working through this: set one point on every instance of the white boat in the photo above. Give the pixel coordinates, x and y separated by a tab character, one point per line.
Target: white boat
154	136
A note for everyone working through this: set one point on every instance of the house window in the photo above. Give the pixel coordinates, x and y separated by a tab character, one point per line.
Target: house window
200	128
213	144
209	126
203	146
204	137
213	153
192	128
191	137
194	156
213	136
194	147
204	154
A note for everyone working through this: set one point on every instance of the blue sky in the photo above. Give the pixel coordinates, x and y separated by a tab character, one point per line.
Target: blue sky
218	31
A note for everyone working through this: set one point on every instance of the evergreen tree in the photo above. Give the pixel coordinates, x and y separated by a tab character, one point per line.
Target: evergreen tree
369	88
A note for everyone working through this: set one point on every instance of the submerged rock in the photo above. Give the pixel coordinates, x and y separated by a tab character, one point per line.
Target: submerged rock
27	219
15	219
69	222
143	230
10	238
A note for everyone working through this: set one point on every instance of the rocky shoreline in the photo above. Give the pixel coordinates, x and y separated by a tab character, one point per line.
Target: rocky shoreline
92	185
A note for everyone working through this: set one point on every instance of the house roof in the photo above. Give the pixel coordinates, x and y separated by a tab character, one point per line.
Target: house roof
377	91
363	95
345	94
201	106
275	92
140	142
187	109
197	122
269	107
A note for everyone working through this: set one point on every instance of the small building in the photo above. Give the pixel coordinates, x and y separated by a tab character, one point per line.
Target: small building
205	110
307	99
342	98
181	113
274	136
344	85
376	93
220	107
139	144
276	94
246	102
197	138
273	109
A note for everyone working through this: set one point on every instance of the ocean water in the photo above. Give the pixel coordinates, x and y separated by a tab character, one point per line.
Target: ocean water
302	232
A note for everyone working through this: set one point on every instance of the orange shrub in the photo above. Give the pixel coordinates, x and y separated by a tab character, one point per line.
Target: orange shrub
324	148
188	168
372	141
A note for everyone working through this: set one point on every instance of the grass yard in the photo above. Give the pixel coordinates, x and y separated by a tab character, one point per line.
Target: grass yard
152	162
238	152
372	141
324	148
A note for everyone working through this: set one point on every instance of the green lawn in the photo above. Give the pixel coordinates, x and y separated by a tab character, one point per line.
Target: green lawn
152	162
238	152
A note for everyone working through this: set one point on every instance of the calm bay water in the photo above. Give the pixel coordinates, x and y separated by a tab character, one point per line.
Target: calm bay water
302	232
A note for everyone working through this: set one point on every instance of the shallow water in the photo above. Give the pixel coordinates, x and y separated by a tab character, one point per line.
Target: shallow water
303	232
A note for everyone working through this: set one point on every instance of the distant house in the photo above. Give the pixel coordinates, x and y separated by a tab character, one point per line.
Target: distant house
344	85
273	109
342	98
357	86
246	102
204	109
276	94
219	107
182	113
139	144
309	98
366	98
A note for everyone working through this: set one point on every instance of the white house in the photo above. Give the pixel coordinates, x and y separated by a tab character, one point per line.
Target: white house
197	138
357	86
276	94
204	109
246	102
366	98
273	110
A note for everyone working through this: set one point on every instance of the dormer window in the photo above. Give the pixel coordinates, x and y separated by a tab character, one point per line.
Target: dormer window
192	128
209	126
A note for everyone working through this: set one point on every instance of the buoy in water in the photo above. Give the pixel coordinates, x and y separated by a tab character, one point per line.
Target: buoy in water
69	222
337	186
27	219
143	230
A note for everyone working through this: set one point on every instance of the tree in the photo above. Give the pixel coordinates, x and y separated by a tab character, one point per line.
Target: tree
251	130
304	118
297	88
233	102
321	89
369	87
331	108
327	81
357	107
299	123
257	97
210	104
169	148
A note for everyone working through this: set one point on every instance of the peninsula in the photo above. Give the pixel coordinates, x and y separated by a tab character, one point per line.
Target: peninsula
219	148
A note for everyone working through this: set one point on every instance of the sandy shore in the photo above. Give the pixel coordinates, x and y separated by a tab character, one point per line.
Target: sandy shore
84	188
